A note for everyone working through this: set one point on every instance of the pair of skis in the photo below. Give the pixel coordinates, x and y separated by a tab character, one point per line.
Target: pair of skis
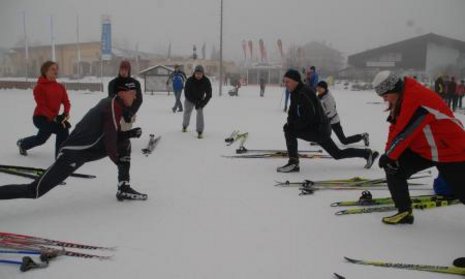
280	155
45	248
153	142
422	204
33	172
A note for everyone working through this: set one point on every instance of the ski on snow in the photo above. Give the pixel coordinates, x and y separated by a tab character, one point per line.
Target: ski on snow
35	172
355	181
419	267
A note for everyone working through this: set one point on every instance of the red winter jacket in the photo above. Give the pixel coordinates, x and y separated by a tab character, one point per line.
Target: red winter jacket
426	126
49	95
460	90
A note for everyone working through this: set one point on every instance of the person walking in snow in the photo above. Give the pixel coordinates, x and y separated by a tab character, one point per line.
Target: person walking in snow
423	133
452	94
460	93
312	78
198	92
177	78
329	106
96	136
307	120
262	87
125	80
49	96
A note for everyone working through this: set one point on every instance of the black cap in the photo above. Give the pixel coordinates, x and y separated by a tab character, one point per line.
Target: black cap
125	84
293	74
323	85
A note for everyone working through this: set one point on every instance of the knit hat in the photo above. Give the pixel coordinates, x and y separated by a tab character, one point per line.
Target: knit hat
125	65
199	69
293	74
385	82
323	85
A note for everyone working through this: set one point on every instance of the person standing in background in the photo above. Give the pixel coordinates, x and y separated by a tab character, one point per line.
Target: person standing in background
452	94
198	92
262	87
460	93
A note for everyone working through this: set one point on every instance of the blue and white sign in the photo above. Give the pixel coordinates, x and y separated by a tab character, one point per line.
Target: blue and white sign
106	38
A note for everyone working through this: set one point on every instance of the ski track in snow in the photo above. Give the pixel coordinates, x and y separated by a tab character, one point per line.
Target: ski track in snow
211	217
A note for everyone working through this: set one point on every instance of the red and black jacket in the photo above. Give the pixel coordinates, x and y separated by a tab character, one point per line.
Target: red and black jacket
426	126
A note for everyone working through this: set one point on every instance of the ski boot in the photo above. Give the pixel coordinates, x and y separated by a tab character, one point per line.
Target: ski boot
459	262
404	217
125	192
22	151
366	198
184	129
241	150
366	139
371	158
200	135
291	166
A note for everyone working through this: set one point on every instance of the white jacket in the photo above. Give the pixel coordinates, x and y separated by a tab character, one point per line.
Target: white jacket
329	106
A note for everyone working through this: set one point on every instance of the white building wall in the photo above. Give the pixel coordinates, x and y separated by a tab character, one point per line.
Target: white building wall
439	58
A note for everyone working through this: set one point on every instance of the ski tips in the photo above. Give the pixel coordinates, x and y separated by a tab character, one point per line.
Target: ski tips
335	204
337	276
351	260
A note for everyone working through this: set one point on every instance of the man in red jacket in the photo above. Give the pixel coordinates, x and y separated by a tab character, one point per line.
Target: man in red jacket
49	96
423	134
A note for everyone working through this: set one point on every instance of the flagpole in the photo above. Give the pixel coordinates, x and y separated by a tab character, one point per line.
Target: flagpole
26	46
221	50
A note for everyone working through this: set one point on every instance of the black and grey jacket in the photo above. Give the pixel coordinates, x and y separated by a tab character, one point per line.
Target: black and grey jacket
98	130
329	106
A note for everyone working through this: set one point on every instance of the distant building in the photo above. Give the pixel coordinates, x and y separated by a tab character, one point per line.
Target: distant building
271	73
66	56
425	56
212	67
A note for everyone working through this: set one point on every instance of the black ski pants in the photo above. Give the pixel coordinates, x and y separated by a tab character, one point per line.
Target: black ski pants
327	144
337	129
67	162
411	163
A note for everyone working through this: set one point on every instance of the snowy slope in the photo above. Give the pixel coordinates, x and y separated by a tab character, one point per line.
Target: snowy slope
211	217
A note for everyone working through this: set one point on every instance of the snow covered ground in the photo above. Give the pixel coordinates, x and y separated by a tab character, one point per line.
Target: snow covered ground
209	217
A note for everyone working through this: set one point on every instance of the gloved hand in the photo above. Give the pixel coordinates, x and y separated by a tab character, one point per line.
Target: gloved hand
199	105
127	115
389	165
62	120
287	127
133	133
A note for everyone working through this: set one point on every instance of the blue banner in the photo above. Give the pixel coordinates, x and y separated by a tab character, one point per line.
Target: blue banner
106	39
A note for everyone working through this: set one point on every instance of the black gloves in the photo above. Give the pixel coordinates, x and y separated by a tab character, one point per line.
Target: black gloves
200	105
127	115
133	133
389	165
62	120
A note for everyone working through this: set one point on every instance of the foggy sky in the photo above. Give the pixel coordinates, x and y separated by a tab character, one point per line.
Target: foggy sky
348	25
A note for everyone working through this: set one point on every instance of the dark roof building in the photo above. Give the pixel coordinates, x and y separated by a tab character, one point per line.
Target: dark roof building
428	55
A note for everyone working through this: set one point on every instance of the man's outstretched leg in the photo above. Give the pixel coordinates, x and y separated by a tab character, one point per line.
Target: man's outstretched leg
66	164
